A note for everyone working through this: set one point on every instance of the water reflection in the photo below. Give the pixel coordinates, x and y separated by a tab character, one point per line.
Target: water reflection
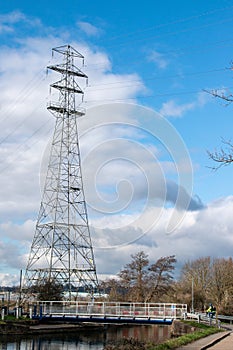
153	333
53	344
93	339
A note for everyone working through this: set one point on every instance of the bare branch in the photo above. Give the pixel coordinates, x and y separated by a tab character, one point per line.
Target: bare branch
218	94
223	156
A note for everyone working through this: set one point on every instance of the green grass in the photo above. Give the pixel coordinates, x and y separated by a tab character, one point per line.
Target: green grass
11	318
201	332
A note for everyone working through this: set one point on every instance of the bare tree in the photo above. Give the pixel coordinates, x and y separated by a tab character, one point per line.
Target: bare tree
212	282
196	275
146	282
50	290
222	283
113	287
160	278
133	276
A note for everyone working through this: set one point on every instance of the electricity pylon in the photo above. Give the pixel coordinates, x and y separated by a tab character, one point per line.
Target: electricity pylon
61	250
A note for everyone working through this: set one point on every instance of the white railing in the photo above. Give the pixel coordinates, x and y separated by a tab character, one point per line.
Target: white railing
112	309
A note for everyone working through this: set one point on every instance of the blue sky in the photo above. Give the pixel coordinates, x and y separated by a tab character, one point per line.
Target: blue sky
159	55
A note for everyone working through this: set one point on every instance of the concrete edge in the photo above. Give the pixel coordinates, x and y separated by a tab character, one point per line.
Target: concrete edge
216	340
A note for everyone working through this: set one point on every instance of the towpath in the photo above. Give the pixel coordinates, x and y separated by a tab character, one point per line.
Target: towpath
217	341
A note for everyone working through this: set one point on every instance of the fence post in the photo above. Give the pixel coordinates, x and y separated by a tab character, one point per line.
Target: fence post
35	310
41	311
17	312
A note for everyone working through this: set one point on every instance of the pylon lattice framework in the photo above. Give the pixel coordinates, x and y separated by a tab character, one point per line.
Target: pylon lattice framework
61	249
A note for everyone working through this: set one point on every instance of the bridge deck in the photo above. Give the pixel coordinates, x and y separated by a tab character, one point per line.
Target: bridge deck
109	312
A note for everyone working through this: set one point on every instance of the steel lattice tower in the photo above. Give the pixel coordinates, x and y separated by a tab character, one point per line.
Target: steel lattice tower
61	249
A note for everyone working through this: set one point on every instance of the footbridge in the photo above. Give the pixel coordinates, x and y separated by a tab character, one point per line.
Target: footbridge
107	312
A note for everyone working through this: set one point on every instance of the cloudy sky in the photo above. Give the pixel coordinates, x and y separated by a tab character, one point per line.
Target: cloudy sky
146	133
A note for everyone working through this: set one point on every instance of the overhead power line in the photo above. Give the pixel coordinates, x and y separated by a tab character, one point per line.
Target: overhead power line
156	78
154	95
168	24
138	39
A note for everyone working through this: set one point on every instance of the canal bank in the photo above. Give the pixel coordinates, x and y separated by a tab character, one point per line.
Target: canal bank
33	327
64	334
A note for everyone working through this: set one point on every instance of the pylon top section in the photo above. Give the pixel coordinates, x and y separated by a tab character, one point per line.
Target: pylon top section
68	67
68	50
67	85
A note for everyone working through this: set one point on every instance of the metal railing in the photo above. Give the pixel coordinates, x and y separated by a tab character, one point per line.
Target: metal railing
111	309
203	317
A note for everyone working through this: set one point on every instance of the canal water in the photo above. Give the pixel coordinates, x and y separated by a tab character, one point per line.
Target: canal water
93	339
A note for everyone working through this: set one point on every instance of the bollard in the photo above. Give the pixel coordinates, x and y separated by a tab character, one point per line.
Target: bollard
20	311
3	314
30	313
17	312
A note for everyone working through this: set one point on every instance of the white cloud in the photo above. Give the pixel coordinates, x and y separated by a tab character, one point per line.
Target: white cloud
17	232
9	21
9	280
104	86
159	59
5	28
89	28
12	17
172	109
202	233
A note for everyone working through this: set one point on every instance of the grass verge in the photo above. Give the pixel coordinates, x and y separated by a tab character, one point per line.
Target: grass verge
201	331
